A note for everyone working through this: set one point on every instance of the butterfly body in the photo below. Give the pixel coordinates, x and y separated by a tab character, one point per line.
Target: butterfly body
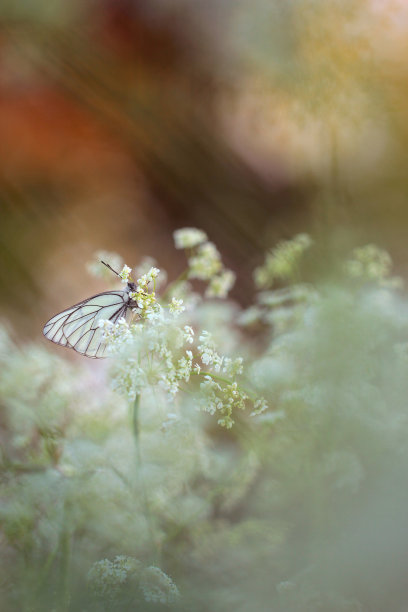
78	327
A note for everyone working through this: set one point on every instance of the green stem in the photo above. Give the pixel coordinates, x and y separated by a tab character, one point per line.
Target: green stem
145	502
136	429
65	569
44	573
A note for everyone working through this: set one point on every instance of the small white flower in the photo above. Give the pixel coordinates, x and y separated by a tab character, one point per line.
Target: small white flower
188	334
147	278
171	386
259	406
232	367
184	366
176	306
189	237
154	272
206	357
124	274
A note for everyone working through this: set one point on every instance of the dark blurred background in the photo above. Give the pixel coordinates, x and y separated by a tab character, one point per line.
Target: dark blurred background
122	120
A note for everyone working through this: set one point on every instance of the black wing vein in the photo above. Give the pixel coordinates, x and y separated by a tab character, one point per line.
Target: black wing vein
78	326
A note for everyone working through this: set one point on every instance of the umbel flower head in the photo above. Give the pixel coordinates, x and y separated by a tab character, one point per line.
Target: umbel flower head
157	587
158	349
204	262
107	578
125	578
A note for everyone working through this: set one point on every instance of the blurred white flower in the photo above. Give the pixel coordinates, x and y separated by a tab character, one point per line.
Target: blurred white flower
260	406
106	578
188	334
205	263
176	306
157	587
189	237
221	284
184	366
371	263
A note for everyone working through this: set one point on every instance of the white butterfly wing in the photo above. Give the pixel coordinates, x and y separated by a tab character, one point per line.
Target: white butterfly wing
53	328
78	326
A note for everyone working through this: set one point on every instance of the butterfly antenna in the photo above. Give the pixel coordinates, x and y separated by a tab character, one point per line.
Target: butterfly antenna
110	267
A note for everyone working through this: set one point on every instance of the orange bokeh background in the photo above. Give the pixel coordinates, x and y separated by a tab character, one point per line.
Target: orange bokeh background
121	121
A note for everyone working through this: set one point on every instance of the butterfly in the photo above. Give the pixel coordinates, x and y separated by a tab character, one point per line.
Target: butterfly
78	328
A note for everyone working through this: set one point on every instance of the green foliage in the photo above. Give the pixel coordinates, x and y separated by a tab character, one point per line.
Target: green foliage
282	262
299	506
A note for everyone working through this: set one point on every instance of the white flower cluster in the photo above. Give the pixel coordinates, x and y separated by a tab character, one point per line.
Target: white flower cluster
152	351
189	237
260	406
118	333
188	334
220	394
156	353
223	398
280	308
144	267
221	284
174	369
210	357
129	378
125	273
109	579
157	587
204	262
176	306
156	350
371	263
283	261
148	306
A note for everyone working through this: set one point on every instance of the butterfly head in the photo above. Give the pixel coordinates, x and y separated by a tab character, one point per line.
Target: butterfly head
131	287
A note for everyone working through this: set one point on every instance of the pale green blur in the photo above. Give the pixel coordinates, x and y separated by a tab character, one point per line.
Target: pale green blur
302	507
